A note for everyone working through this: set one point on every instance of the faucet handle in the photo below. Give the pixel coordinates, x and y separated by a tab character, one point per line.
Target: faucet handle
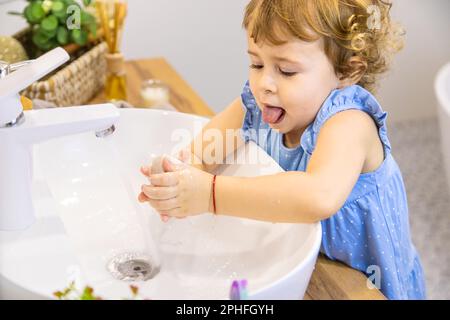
6	68
11	108
29	72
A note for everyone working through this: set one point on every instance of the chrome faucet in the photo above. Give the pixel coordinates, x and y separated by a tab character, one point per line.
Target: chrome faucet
20	130
7	68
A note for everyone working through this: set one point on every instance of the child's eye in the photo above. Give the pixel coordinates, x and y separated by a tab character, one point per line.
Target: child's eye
256	66
287	74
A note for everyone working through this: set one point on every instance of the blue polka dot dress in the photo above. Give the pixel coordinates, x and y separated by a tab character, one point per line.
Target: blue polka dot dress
371	231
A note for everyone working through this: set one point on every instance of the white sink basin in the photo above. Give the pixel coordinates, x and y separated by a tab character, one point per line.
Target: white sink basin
85	191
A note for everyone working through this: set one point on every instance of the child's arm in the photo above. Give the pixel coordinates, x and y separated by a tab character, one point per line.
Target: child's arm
230	118
314	195
296	197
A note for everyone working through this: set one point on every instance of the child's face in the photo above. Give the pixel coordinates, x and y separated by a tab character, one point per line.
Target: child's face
290	82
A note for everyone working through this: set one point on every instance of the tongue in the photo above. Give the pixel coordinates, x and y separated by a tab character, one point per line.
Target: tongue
272	114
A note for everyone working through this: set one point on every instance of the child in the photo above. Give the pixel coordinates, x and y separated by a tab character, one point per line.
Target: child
308	104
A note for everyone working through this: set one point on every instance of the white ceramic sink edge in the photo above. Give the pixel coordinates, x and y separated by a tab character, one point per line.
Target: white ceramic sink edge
36	262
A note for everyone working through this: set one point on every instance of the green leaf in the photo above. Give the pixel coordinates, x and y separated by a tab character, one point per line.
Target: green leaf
48	33
59	9
93	29
69	2
86	18
62	36
37	11
42	43
47	5
44	40
50	23
87	2
27	14
39	38
80	37
52	44
34	13
87	294
63	19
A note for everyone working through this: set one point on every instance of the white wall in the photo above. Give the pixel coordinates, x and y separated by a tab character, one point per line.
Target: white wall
204	41
11	24
407	92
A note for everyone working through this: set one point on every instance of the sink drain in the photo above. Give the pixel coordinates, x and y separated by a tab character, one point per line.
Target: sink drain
132	267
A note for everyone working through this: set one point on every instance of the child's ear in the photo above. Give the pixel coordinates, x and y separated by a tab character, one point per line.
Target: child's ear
357	67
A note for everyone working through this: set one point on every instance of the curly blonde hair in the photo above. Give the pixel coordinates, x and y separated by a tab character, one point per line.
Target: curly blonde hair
350	28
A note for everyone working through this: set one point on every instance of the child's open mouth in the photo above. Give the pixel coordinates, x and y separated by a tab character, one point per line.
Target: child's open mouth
272	114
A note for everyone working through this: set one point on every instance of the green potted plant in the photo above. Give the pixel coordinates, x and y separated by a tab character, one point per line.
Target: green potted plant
72	25
55	23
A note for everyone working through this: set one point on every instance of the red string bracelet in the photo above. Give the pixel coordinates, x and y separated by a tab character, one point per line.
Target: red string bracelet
214	193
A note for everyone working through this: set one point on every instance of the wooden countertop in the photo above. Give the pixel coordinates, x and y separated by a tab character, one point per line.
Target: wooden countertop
182	96
330	279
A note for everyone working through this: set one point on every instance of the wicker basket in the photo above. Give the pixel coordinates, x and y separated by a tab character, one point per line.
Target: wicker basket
76	82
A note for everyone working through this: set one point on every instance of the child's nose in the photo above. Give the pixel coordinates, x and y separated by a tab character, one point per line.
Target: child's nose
267	84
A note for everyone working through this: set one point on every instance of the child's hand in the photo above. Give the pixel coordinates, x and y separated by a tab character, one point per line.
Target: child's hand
186	156
180	191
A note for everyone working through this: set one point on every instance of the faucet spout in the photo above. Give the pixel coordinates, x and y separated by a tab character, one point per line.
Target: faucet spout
16	206
42	125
